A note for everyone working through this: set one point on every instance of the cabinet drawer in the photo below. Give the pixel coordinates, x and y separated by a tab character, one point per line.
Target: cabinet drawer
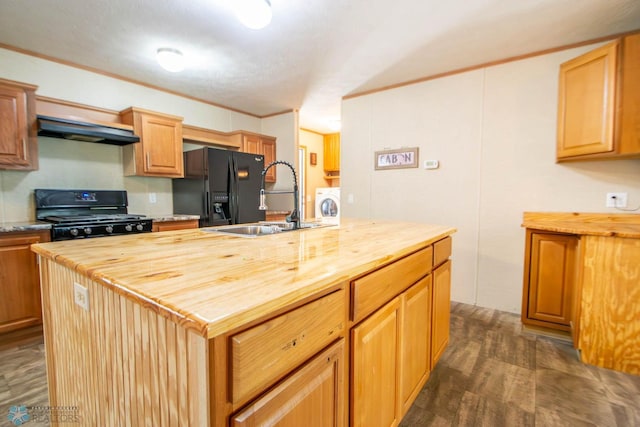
441	251
373	290
266	352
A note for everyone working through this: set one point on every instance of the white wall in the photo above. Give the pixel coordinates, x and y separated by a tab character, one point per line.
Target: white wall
285	127
315	173
69	164
493	131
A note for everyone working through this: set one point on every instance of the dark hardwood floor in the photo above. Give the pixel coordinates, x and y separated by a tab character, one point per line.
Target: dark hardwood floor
492	374
495	374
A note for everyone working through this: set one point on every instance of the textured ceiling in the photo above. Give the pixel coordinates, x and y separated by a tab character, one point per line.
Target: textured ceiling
312	54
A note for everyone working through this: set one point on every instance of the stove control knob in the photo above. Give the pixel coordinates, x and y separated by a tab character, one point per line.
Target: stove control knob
108	229
87	230
73	232
128	227
139	227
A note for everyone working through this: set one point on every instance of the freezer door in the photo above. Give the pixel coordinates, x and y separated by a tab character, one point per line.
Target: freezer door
245	187
189	193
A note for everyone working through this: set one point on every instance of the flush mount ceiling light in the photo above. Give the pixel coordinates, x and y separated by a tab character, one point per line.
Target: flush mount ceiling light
255	14
170	59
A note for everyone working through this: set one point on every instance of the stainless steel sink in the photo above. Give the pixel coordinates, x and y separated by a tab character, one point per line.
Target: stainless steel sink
261	228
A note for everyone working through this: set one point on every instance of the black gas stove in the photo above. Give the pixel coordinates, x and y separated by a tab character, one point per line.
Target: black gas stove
87	213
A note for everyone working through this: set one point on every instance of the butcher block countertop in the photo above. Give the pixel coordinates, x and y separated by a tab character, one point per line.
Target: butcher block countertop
594	224
212	283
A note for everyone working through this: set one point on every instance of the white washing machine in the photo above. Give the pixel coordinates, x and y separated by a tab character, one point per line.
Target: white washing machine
328	205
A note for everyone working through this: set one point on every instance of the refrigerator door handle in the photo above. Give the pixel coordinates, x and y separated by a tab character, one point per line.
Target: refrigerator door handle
231	192
206	205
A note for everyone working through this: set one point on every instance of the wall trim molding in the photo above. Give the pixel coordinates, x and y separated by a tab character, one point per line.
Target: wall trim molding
489	64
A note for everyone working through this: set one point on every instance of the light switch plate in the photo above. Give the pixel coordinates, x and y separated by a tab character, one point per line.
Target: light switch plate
81	295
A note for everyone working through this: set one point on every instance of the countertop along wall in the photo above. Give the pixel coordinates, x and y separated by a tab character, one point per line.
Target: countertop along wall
73	164
494	132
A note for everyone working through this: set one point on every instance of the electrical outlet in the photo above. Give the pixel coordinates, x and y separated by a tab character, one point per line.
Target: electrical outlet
616	200
152	198
81	295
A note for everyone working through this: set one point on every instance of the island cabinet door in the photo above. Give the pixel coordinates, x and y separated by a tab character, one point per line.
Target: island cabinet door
375	356
416	340
441	311
311	397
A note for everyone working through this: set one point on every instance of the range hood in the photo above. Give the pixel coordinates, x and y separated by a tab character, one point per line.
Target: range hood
81	131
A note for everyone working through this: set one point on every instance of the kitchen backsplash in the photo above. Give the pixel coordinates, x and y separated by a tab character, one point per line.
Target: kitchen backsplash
73	164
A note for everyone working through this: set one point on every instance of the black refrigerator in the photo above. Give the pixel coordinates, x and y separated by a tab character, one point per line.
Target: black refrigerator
221	186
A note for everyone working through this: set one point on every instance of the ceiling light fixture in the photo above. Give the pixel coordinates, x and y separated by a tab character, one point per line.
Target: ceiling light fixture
255	14
170	59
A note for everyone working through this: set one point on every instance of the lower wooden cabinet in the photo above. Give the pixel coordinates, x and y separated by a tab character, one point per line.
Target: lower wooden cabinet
391	358
20	305
174	225
441	310
310	397
375	355
549	279
416	341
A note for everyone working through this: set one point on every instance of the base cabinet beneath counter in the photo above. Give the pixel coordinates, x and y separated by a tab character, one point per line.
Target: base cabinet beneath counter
582	274
311	397
20	305
549	279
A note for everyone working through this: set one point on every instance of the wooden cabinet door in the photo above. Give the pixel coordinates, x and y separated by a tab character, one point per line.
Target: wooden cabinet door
375	356
18	143
251	144
587	103
332	152
159	152
440	306
269	151
311	397
551	273
416	343
20	305
257	144
162	146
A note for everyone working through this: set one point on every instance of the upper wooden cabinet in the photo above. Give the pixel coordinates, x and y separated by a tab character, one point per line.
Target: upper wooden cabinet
261	144
332	152
18	135
599	103
159	152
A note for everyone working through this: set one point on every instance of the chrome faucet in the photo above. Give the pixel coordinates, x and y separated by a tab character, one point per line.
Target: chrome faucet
294	216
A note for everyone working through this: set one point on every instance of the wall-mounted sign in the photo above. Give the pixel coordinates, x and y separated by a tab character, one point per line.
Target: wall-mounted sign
396	159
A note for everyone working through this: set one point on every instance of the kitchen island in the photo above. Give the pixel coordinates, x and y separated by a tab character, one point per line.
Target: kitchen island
328	326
